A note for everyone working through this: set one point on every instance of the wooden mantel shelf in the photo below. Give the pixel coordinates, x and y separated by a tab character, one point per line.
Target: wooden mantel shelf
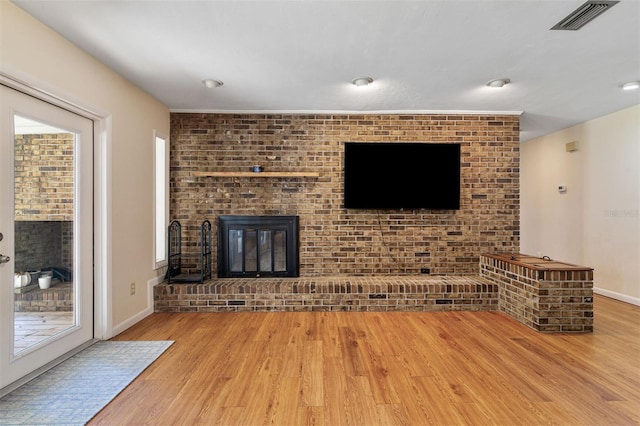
257	174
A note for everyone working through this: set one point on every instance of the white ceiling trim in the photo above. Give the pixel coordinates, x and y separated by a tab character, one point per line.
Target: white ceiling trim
348	112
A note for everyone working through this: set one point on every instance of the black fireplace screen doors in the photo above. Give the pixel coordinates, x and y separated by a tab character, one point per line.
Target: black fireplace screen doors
258	246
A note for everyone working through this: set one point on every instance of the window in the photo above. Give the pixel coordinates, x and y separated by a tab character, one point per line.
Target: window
161	199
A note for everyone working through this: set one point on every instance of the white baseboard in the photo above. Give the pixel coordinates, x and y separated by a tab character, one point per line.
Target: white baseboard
142	314
617	296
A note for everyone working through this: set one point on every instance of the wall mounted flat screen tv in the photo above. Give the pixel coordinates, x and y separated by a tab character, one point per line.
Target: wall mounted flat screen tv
401	175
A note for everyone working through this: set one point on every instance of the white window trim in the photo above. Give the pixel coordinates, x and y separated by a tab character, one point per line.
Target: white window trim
160	259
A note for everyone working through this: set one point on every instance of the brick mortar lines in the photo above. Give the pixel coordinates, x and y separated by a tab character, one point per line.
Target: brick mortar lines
465	293
564	305
335	240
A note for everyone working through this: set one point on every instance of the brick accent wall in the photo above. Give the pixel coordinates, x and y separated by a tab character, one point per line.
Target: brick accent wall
44	177
44	195
334	240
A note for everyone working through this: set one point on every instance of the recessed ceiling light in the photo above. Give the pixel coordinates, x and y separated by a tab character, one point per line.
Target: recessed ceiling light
632	85
210	83
498	82
362	81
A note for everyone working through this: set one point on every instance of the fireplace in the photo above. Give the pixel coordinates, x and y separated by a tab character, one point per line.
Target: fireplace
258	246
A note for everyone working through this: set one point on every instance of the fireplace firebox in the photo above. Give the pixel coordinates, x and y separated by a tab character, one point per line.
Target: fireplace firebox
258	246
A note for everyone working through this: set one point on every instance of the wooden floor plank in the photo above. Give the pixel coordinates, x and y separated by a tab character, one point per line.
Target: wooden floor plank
312	383
336	402
383	368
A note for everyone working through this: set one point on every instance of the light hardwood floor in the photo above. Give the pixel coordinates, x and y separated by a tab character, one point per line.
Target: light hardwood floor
375	368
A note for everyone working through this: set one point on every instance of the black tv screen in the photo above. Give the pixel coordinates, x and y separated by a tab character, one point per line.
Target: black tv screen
401	175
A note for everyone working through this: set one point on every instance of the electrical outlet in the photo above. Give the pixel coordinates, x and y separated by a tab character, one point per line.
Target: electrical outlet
425	270
133	289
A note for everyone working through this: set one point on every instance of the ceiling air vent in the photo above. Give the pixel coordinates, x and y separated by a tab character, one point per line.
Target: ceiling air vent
583	15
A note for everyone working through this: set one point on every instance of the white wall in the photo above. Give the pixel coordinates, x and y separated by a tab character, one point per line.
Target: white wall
597	222
32	53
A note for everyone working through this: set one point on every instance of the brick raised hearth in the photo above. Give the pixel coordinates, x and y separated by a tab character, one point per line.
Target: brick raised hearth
59	297
546	295
385	293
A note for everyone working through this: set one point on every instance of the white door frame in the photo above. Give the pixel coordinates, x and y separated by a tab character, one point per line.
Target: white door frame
103	319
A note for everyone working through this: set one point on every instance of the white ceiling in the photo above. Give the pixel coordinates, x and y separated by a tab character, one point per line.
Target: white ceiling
300	55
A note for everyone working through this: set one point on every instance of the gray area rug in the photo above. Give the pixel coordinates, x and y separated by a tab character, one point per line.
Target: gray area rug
77	389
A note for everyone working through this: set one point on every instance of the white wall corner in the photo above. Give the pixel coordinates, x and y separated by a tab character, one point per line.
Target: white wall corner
119	328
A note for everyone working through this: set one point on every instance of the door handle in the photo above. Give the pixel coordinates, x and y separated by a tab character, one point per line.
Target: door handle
3	258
